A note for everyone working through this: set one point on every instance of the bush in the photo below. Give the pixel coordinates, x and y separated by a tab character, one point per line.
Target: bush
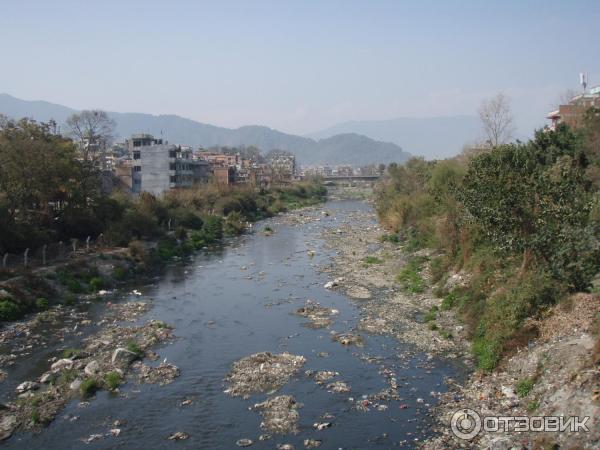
410	278
137	250
88	387
96	284
41	304
112	380
120	273
524	387
234	224
9	311
134	347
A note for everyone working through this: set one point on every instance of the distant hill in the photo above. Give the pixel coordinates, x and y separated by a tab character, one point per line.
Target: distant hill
434	137
345	148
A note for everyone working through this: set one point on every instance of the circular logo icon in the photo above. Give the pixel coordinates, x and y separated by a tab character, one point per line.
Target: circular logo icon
465	424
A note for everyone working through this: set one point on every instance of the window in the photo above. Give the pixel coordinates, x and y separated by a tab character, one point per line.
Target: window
172	153
137	168
172	166
137	154
173	179
137	143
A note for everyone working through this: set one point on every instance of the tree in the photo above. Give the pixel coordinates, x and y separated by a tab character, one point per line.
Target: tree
533	199
93	131
497	119
39	175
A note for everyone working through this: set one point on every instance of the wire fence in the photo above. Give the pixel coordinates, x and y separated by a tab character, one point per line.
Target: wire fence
51	253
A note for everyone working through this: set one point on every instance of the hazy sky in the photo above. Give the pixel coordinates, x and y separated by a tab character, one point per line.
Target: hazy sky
298	66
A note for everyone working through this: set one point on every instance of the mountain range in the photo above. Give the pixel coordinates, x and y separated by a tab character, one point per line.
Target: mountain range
341	148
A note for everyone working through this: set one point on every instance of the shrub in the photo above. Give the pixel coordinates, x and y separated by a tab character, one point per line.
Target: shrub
524	387
137	250
112	380
134	347
72	353
96	284
9	311
88	387
41	304
234	224
119	273
410	278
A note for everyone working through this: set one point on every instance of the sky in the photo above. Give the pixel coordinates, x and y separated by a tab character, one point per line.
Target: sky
299	66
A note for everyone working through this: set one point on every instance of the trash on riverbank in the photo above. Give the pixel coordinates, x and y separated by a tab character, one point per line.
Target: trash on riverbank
262	372
163	374
319	316
348	339
280	414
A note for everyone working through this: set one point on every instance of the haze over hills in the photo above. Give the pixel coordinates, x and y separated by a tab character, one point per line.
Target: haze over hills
341	148
433	137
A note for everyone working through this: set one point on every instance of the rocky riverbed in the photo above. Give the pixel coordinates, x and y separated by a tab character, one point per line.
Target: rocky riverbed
561	365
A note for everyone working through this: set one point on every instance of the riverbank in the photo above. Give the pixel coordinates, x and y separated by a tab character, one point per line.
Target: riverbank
555	375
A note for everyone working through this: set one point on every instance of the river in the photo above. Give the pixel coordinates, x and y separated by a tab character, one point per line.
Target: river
228	303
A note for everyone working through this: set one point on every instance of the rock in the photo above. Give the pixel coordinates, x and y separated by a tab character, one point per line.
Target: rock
312	443
329	285
244	442
179	436
47	377
8	424
122	357
75	385
27	386
92	368
508	392
322	425
61	364
285	447
115	432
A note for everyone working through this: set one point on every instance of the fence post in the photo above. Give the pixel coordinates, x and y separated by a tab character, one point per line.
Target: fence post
169	225
101	240
44	254
26	257
5	260
87	244
61	249
74	245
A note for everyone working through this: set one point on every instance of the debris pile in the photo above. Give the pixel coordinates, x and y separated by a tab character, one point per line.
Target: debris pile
280	414
262	372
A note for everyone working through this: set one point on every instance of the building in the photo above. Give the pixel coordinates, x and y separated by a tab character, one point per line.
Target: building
573	112
155	167
283	166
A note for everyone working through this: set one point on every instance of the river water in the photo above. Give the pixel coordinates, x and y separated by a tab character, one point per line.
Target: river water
228	303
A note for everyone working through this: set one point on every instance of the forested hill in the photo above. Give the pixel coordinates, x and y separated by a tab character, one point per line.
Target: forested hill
346	148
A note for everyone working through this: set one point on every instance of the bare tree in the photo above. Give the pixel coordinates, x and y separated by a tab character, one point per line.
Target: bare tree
497	119
93	131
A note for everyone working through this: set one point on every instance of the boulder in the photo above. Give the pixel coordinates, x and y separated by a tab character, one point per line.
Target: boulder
92	368
27	386
61	364
47	377
122	357
8	424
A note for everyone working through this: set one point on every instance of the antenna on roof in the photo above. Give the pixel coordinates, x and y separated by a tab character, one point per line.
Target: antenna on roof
583	81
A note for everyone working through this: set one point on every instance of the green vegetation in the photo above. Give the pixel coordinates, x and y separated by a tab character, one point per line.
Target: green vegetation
523	220
134	347
72	353
88	387
9	310
112	380
524	387
389	238
372	260
431	314
41	304
410	277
